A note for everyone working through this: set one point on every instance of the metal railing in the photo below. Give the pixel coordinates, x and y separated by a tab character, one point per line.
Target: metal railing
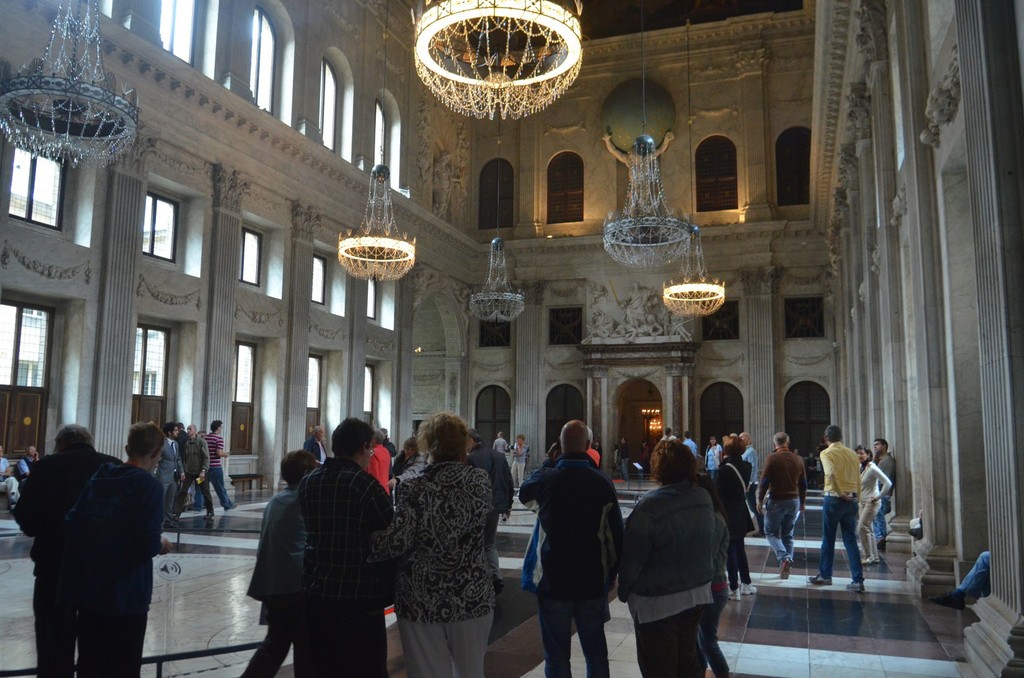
162	659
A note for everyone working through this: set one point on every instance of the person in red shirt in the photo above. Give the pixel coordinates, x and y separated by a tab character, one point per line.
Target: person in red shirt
380	462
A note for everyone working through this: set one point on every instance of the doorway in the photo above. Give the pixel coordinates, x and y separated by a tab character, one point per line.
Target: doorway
639	407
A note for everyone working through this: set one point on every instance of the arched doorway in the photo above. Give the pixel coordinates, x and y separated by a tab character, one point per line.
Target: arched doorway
437	336
564	403
639	407
721	412
493	414
808	410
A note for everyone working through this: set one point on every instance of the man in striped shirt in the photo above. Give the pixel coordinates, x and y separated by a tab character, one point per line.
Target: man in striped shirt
215	476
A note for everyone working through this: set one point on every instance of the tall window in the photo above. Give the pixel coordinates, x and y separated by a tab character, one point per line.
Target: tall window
793	166
715	164
36	187
245	372
808	412
252	244
159	227
721	411
24	356
368	391
328	104
380	123
371	299
149	377
313	379
319	295
564	403
493	414
242	406
565	188
177	23
497	186
261	70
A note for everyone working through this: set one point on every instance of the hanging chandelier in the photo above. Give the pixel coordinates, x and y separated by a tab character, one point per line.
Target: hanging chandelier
694	294
510	57
63	106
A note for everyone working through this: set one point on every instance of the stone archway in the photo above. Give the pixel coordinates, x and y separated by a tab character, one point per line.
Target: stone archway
638	414
440	372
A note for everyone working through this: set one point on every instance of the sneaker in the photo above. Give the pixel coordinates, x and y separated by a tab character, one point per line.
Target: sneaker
950	599
198	511
818	580
855	586
230	506
748	589
784	569
735	595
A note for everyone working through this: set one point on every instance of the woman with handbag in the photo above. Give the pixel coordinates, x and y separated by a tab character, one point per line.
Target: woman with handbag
870	499
732	483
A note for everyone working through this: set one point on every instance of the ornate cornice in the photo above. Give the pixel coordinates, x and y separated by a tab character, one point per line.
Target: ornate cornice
166	298
871	38
943	102
759	281
135	160
44	270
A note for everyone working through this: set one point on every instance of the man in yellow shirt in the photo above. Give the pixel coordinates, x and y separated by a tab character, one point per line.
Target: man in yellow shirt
839	509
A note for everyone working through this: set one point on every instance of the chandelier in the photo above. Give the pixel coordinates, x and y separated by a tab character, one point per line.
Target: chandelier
63	106
511	57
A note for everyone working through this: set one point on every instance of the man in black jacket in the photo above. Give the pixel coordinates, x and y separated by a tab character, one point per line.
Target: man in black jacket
46	497
501	497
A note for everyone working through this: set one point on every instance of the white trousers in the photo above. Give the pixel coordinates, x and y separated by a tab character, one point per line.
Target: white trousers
454	650
11	485
518	471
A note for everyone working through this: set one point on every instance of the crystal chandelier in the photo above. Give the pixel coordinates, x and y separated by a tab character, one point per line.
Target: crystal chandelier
646	234
377	250
511	57
63	106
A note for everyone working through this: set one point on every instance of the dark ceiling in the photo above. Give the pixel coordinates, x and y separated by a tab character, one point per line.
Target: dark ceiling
607	18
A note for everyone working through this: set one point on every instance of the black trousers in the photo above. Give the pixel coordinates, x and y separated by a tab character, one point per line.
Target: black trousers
55	630
667	647
347	640
286	626
182	497
110	645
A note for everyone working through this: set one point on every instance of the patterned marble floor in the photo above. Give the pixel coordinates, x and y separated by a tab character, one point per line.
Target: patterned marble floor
787	629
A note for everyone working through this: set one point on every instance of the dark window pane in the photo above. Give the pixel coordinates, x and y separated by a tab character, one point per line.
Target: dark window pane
495	334
565	326
715	164
722	324
805	317
497	189
793	166
565	188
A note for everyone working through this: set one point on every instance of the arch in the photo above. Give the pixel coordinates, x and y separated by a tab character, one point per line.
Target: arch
563	403
565	188
493	413
634	402
346	101
721	411
497	194
807	412
715	169
388	122
282	75
793	167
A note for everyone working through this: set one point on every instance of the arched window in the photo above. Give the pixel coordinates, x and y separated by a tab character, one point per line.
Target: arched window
565	188
177	23
807	414
497	186
344	102
715	164
793	166
328	104
387	126
564	403
380	123
264	53
721	411
493	413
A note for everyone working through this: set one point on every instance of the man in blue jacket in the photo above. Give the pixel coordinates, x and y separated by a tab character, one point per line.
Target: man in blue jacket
573	554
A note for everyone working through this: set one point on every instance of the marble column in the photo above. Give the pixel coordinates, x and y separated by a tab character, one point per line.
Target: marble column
120	249
456	379
992	109
404	316
752	66
142	17
527	402
677	381
305	221
354	348
758	291
597	405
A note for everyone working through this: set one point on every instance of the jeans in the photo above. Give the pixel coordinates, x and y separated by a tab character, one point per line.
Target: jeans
977	583
736	564
668	647
881	529
836	513
708	650
215	476
556	618
752	503
624	465
779	522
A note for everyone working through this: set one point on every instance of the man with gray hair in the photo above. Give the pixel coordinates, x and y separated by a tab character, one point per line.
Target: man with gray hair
46	497
315	445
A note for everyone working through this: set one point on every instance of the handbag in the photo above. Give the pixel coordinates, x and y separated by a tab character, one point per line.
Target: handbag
750	514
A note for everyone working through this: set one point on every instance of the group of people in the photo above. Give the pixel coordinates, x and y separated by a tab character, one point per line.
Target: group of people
190	463
13	474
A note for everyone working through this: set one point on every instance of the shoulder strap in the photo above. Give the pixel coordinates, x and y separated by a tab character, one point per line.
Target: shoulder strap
737	472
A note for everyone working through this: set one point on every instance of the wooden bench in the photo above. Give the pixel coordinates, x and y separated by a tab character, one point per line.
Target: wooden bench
248	481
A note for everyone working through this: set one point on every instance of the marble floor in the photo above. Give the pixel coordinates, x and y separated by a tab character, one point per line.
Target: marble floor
786	629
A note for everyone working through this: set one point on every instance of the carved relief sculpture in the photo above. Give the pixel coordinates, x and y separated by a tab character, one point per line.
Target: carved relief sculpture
228	188
858	115
871	36
943	102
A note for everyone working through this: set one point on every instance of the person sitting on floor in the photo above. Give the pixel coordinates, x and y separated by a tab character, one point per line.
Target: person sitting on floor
976	584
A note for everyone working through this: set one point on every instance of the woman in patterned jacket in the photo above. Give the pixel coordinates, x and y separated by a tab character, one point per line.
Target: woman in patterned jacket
444	598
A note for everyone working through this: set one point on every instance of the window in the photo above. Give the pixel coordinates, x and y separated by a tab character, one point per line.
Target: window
159	226
242	406
807	412
722	324
319	295
371	299
565	326
793	166
149	376
245	372
804	317
721	411
494	334
715	166
36	187
493	413
177	22
313	382
497	189
261	69
328	104
565	188
379	130
252	244
368	389
24	358
564	403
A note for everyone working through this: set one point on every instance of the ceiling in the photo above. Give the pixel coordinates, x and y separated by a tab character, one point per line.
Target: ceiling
607	18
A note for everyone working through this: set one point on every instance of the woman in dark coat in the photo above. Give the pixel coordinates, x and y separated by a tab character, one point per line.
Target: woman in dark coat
733	479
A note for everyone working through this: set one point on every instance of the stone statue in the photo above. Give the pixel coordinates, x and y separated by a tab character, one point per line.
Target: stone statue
623	156
601	325
640	311
442	191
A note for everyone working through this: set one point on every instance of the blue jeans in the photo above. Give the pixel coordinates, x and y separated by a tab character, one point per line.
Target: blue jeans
977	583
556	618
215	476
707	634
836	513
879	524
779	521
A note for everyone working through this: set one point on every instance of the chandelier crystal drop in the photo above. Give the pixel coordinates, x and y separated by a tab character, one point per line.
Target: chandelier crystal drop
646	234
63	106
377	250
510	57
497	301
694	294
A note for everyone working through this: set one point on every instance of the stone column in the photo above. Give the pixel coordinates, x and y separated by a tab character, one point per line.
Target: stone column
305	221
404	316
456	379
992	109
677	382
597	381
142	17
120	248
752	67
758	289
354	349
234	46
527	402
